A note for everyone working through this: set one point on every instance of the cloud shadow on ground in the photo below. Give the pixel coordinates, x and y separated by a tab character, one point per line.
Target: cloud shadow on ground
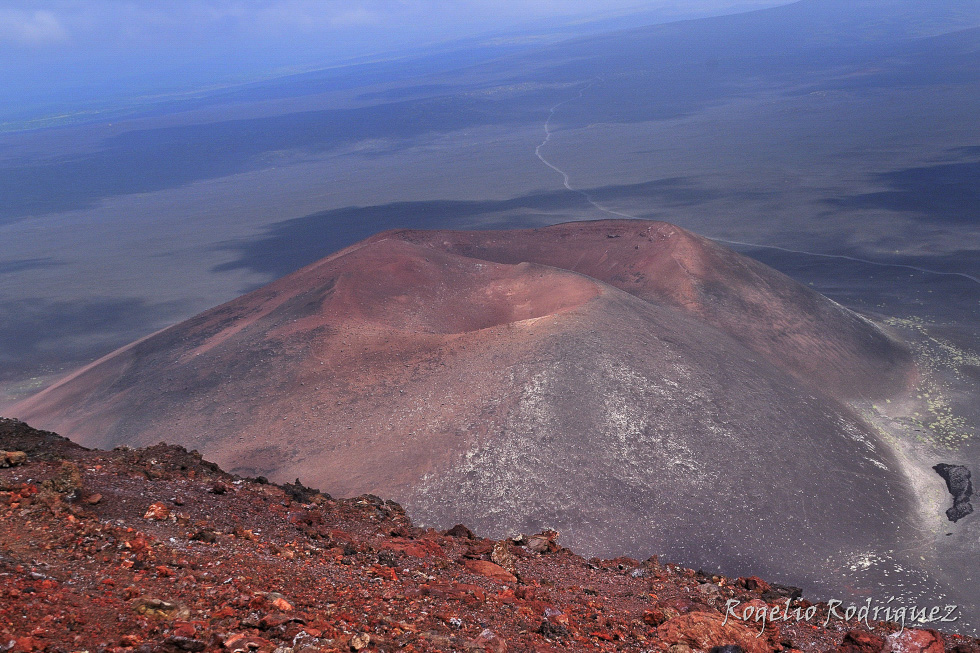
943	193
22	264
35	334
291	244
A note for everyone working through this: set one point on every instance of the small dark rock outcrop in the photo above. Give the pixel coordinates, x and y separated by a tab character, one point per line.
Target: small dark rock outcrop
777	592
958	483
18	437
857	641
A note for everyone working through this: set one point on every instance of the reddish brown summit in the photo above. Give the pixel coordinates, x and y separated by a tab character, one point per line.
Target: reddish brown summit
637	387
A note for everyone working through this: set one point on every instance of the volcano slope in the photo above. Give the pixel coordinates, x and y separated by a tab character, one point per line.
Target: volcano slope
635	386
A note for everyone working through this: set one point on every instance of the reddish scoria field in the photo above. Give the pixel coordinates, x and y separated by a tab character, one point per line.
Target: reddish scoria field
156	549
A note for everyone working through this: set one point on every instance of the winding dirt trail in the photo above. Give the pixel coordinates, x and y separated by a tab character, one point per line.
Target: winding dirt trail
566	181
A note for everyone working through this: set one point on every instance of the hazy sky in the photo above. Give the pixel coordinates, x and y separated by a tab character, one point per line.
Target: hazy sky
48	47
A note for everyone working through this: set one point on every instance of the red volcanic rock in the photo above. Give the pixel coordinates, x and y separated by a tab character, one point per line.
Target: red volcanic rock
659	614
862	642
85	577
459	530
246	642
916	640
360	641
158	511
596	378
490	642
546	542
281	604
503	556
465	592
12	458
417	549
704	630
755	584
490	570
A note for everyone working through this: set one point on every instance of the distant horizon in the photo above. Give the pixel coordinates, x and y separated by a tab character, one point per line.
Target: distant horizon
62	58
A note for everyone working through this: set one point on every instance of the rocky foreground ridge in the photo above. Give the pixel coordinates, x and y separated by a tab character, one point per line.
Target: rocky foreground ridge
156	549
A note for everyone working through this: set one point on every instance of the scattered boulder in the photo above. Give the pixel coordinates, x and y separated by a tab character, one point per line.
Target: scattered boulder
205	535
491	570
460	531
659	614
246	642
157	512
860	641
544	542
491	642
68	481
501	554
360	641
710	590
12	458
706	630
92	499
754	584
281	603
916	640
552	630
160	609
301	493
958	483
777	593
